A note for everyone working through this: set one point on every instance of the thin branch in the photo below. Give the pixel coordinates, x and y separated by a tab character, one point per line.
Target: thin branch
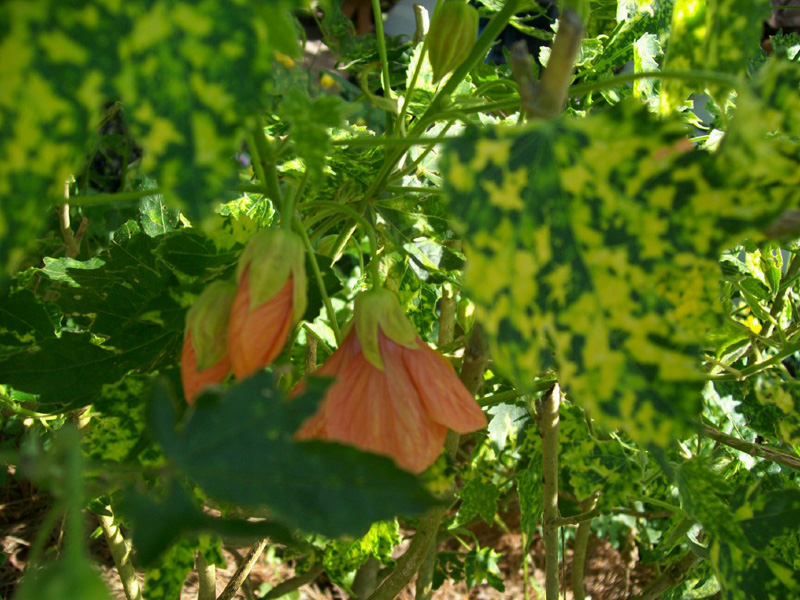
578	519
581	545
757	450
243	571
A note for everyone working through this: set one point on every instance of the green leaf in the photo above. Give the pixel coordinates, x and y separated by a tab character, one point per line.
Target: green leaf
158	525
238	447
768	515
342	557
478	498
705	495
745	576
70	371
156	218
531	496
192	71
23	319
482	564
61	579
309	120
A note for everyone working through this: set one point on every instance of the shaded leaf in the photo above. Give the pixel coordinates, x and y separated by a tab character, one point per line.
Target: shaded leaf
238	447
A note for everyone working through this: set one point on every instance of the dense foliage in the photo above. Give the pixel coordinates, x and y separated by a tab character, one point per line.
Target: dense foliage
629	259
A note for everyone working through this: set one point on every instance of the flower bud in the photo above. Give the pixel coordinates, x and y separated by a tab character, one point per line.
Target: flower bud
204	358
270	299
451	36
379	309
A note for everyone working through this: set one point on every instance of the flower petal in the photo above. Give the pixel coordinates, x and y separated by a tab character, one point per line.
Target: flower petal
255	338
381	412
442	393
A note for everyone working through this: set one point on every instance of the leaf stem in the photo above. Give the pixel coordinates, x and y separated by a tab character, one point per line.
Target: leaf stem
369	230
326	300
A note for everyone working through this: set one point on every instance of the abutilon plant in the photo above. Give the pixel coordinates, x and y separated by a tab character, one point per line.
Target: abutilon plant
270	299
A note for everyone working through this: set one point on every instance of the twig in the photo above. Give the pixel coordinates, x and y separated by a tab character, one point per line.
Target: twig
243	571
547	417
121	553
581	545
290	585
311	353
577	519
778	456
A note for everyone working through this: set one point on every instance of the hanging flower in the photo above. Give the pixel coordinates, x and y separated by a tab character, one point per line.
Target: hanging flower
270	299
204	358
392	394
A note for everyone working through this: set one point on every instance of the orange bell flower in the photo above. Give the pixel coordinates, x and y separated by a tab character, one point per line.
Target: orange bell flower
270	299
204	357
392	394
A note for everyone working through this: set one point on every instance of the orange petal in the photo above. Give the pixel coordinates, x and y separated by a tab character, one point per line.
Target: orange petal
380	412
444	397
195	381
255	338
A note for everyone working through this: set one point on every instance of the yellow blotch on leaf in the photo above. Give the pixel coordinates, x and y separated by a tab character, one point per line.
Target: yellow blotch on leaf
507	195
490	151
459	175
62	49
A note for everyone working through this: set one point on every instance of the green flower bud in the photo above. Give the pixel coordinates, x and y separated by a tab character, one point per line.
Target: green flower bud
451	36
379	310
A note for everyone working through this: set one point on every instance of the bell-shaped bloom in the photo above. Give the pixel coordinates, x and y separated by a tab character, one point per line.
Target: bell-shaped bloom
204	358
270	299
392	394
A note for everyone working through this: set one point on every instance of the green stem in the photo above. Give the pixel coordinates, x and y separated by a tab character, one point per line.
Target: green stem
292	201
417	161
403	142
403	189
387	84
264	163
759	366
490	32
109	198
691	76
326	300
369	230
413	83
